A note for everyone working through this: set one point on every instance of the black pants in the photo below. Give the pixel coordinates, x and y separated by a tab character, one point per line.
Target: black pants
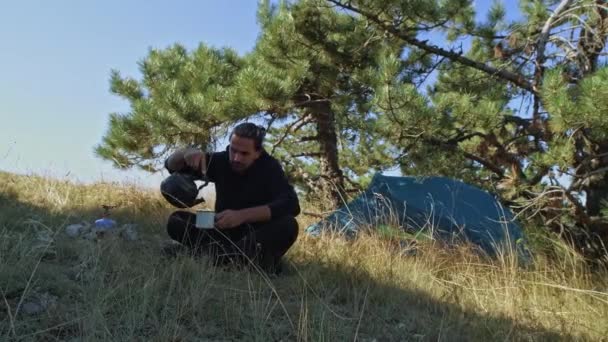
263	243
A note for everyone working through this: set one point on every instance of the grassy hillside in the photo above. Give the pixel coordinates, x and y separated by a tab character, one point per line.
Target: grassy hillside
333	290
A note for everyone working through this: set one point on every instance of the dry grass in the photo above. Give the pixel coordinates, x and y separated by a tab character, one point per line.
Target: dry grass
333	289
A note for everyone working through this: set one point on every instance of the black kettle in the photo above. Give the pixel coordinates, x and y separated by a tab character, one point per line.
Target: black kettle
181	191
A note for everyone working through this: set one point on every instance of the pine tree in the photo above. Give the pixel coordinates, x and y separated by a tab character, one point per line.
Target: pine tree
307	78
312	64
183	99
523	105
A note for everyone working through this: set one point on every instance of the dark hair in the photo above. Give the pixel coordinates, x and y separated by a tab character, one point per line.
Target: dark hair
251	131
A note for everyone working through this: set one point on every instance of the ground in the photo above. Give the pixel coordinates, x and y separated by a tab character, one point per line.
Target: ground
57	287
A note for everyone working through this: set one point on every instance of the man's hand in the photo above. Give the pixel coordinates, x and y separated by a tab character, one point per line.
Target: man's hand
195	159
229	219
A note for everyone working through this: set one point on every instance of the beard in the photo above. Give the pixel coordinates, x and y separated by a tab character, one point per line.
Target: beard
236	166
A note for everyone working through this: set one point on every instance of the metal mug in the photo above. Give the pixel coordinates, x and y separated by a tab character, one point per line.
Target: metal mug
205	219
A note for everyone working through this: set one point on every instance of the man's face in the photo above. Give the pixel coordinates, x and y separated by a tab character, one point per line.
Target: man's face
242	153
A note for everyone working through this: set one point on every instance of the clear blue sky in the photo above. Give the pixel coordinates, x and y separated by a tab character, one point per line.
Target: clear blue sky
55	63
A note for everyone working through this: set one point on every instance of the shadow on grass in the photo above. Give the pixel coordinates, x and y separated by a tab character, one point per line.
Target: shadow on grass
348	304
119	291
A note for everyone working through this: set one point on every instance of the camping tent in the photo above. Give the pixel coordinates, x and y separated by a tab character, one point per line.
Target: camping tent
448	209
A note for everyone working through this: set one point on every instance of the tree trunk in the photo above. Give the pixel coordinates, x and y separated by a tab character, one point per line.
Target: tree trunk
593	244
597	188
596	192
591	45
331	176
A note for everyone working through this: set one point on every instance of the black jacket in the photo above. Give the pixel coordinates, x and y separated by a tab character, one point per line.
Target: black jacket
263	183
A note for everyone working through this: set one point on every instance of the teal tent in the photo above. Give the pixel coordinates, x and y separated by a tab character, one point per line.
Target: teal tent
448	209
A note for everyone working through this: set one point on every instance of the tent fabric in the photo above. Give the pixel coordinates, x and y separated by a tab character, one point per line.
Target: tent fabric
449	209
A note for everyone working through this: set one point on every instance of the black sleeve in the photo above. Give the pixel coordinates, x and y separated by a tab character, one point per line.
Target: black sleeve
185	169
285	200
167	166
212	167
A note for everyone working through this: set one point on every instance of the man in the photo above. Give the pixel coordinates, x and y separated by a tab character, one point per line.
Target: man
255	204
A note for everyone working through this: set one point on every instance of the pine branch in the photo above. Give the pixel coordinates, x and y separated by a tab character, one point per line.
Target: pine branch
308	154
433	68
486	163
273	118
297	124
452	146
517	79
580	211
581	179
356	187
461	138
539	176
308	120
544	33
309	138
310	102
519	121
542	41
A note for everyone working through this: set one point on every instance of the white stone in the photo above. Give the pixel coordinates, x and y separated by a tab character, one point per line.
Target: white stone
39	303
74	230
32	308
86	227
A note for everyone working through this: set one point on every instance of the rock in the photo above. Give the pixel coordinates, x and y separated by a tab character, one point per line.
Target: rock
86	227
47	300
32	308
39	303
74	230
93	232
78	229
